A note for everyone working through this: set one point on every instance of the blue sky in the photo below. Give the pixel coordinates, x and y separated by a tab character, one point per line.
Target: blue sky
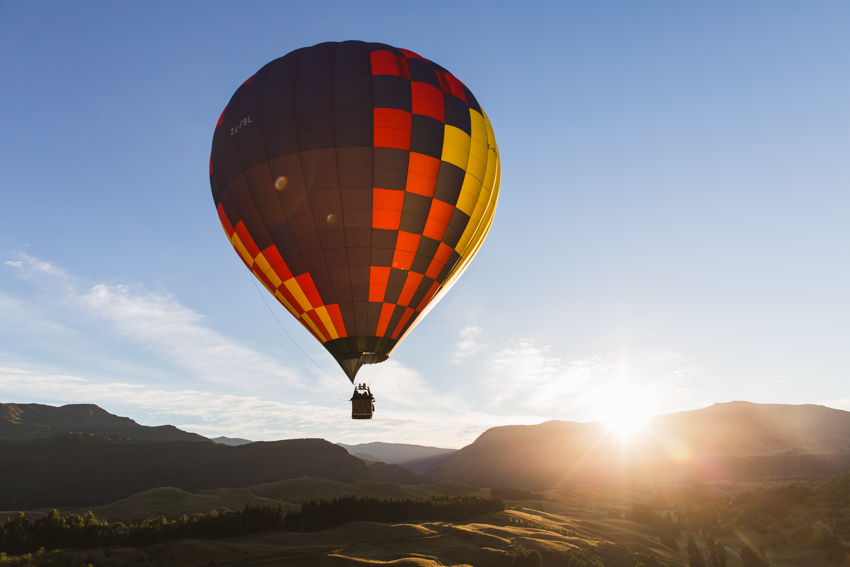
672	228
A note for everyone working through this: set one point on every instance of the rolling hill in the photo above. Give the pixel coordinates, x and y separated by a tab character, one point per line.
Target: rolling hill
74	470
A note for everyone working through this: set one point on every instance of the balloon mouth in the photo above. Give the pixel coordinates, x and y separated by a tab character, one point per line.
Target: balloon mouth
353	352
353	363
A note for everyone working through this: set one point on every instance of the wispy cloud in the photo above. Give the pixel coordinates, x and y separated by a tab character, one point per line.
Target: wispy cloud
161	325
470	343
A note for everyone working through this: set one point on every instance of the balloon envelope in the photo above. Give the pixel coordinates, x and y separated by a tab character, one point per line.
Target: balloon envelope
356	181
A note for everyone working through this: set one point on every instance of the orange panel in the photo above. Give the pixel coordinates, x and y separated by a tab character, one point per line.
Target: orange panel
388	199
378	278
456	87
291	299
443	82
407	241
272	256
403	260
225	222
336	318
263	278
386	314
410	286
438	219
246	239
428	100
314	317
428	296
404	319
386	208
411	55
389	220
386	62
309	289
440	259
422	174
392	128
282	271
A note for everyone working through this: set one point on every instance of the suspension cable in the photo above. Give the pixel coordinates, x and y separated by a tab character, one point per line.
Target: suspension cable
263	297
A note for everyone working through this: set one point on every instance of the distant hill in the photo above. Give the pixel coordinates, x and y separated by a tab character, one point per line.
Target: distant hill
395	474
232	441
415	458
74	470
744	429
26	422
723	442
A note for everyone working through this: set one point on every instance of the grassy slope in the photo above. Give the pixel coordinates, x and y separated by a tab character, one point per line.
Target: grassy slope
567	519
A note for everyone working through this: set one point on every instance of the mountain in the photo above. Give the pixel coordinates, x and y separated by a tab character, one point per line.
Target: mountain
74	470
415	458
233	441
26	422
728	441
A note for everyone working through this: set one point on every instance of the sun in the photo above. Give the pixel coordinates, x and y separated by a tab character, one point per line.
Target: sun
624	409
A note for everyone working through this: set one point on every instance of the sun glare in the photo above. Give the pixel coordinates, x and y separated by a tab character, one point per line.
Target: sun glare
624	409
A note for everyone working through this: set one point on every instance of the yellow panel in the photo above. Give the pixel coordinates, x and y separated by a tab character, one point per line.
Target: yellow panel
478	146
456	147
273	277
296	292
282	298
313	326
474	220
466	201
261	261
237	243
323	314
474	234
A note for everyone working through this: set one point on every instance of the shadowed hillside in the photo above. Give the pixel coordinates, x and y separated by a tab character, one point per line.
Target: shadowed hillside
723	442
26	422
81	470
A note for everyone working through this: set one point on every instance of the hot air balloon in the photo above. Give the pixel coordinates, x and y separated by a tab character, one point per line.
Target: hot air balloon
356	181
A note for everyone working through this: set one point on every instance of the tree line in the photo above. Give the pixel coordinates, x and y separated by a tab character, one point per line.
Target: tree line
19	535
322	514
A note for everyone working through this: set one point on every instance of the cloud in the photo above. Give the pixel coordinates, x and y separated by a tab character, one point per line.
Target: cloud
162	326
530	378
15	264
177	333
469	343
525	382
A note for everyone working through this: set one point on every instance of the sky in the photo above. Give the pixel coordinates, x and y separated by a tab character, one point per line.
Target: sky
672	228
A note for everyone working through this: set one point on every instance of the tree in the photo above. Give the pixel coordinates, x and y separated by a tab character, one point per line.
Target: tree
717	553
526	558
695	558
752	558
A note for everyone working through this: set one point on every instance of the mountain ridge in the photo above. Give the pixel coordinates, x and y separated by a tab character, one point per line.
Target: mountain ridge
724	441
27	422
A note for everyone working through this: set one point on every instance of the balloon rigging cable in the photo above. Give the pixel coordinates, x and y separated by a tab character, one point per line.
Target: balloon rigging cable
290	336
